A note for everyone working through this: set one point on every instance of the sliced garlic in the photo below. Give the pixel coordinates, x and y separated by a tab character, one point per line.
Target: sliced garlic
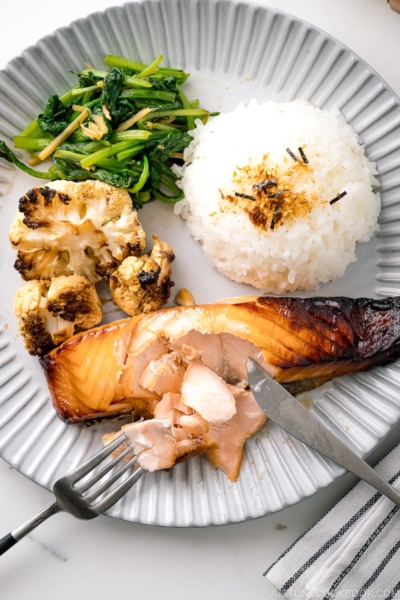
184	298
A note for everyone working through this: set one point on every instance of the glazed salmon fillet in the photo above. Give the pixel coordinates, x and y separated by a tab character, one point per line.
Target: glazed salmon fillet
197	355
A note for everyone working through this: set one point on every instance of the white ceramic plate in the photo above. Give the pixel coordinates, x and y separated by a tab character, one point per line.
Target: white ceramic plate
235	52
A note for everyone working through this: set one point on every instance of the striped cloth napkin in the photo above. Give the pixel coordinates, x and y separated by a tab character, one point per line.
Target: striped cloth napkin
351	552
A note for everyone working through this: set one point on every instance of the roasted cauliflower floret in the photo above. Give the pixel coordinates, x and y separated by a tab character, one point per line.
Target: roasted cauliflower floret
141	285
48	313
69	228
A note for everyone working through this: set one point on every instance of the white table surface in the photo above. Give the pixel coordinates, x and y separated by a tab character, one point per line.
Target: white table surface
104	559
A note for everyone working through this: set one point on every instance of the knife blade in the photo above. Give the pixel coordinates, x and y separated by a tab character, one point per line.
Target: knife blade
284	410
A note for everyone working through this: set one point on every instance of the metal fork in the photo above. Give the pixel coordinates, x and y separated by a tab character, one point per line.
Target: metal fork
70	497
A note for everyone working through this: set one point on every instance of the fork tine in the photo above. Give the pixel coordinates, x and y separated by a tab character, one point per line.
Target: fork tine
110	480
120	491
97	476
95	460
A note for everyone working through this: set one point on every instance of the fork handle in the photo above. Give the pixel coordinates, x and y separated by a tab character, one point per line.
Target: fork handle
9	540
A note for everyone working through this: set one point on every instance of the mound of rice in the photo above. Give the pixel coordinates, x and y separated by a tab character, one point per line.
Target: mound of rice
301	252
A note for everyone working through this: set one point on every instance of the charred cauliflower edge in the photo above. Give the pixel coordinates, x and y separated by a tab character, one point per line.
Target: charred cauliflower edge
85	228
49	312
70	236
142	285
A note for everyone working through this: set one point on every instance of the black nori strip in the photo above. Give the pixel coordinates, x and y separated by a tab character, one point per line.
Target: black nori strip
303	156
274	217
291	154
277	194
244	196
264	184
337	198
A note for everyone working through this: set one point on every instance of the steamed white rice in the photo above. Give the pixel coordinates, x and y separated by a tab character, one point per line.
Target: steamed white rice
300	254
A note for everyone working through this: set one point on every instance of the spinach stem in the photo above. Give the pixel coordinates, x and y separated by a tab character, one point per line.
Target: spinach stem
69	155
162	127
81	91
130	152
32	130
111	163
186	104
150	94
112	150
9	155
143	196
179	112
170	183
30	143
164	198
151	68
128	80
134	134
125	63
143	177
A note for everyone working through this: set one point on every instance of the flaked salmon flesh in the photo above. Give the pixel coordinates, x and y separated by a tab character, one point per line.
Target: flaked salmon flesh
182	370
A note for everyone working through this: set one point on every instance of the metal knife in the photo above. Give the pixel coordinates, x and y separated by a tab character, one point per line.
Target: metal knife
284	410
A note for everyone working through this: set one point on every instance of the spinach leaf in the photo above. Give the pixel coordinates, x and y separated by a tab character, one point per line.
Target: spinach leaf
149	103
112	89
121	109
69	170
53	119
156	104
166	84
78	148
136	204
124	179
125	109
174	141
86	79
72	172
